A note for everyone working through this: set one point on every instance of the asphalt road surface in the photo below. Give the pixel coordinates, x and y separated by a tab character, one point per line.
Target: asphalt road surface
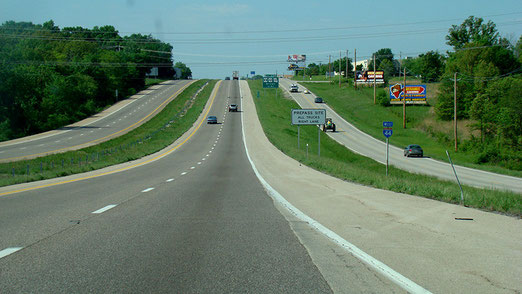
118	120
192	220
362	143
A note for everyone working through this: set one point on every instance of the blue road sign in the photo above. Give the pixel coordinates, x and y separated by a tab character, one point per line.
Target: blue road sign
252	73
387	128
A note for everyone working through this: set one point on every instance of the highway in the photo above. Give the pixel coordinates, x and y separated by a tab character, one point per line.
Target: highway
193	219
115	121
362	143
199	217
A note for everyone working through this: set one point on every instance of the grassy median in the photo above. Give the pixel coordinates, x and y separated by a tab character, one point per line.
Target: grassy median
340	162
157	133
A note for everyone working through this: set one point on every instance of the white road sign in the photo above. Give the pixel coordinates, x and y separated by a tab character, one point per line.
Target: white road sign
308	116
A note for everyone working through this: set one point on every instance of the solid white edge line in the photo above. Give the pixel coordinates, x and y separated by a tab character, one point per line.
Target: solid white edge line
382	268
9	250
104	209
147	190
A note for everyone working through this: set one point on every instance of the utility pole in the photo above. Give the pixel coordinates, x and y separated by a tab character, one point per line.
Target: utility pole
374	78
339	68
346	70
400	64
404	101
455	108
329	68
355	69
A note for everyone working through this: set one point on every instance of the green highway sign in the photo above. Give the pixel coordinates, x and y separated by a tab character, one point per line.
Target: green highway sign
270	81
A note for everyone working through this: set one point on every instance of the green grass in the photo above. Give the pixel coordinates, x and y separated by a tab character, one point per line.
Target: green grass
157	133
357	107
150	82
340	162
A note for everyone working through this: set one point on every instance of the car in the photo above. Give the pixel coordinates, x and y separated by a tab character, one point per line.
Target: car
294	88
329	125
227	79
318	100
413	150
306	91
232	107
211	119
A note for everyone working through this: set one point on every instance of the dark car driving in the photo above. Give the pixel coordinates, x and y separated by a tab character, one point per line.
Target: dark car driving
413	150
211	120
318	100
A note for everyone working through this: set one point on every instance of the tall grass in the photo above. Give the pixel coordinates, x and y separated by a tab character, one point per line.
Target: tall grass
338	161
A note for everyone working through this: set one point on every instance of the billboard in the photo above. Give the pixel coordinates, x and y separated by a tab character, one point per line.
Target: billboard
415	94
296	58
367	77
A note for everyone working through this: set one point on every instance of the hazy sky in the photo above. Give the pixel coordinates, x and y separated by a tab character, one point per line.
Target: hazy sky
216	37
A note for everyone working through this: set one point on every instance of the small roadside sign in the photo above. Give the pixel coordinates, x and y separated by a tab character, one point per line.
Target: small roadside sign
387	128
271	82
308	116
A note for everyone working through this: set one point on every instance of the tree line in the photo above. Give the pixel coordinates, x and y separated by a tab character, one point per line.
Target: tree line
51	76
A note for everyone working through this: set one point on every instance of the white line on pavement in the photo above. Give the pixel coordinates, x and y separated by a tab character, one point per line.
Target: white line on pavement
104	209
385	270
147	190
169	180
192	167
199	162
10	250
183	173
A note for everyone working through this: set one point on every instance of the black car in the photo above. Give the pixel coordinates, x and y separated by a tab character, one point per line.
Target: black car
318	100
227	79
211	120
413	150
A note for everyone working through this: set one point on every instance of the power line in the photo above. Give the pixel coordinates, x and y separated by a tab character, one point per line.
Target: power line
267	31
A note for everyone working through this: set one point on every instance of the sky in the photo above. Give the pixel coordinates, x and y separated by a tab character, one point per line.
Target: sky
215	38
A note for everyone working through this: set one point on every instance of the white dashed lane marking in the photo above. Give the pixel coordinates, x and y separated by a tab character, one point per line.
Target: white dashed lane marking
10	250
147	190
104	209
192	167
199	162
183	173
169	180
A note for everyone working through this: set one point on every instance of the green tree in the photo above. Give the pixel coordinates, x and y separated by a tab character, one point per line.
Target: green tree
472	30
430	66
383	55
186	73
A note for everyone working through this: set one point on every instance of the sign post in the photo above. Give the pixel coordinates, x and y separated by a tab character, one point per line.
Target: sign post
309	117
387	132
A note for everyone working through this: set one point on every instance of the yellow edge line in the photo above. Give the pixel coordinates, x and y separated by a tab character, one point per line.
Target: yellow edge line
75	147
128	167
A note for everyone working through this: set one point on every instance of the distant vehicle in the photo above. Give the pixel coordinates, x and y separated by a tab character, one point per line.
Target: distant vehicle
306	91
232	107
294	88
413	150
227	79
318	100
211	120
329	125
235	75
